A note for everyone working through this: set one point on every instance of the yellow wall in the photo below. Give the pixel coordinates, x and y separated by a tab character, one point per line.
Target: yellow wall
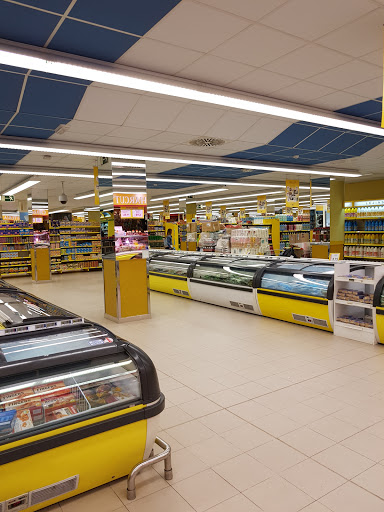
363	190
337	217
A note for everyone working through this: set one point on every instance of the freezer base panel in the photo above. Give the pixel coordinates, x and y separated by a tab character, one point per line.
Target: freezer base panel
240	300
297	309
173	285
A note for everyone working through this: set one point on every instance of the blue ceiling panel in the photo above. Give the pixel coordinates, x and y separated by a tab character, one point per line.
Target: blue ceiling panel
20	152
20	131
318	139
363	146
293	135
171	186
342	143
5	116
105	182
25	25
62	78
135	16
374	117
12	69
10	87
58	6
51	98
363	109
321	182
42	122
91	41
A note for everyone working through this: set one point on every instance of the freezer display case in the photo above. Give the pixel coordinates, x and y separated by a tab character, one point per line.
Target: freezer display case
297	292
378	310
226	281
78	409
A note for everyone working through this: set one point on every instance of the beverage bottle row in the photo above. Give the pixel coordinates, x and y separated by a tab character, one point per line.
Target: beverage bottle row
368	211
350	225
374	225
364	238
359	251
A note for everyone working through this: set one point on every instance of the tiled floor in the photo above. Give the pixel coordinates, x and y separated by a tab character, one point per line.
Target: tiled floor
261	415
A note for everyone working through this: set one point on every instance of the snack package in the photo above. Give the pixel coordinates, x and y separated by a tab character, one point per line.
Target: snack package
52	389
23	420
15	395
33	404
61	413
57	402
120	388
7	421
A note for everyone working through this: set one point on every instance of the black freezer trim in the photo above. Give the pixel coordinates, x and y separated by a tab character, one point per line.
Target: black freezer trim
380	311
316	300
377	292
222	285
42	445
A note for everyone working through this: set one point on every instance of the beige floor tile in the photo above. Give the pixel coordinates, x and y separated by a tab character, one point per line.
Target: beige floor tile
250	411
274	382
243	471
372	480
343	461
307	441
325	404
302	414
276	424
190	433
214	450
238	503
166	500
184	465
231	379
277	455
349	497
246	437
377	429
181	395
227	398
205	490
366	444
335	429
222	421
278	495
199	407
313	478
175	445
147	482
354	416
98	500
316	506
168	384
173	416
251	390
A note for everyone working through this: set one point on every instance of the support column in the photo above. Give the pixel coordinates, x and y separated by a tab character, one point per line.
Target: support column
40	251
337	217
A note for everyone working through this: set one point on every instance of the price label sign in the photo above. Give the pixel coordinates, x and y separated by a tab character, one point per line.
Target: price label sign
334	256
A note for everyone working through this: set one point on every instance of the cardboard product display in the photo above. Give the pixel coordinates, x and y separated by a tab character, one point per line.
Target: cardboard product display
210	226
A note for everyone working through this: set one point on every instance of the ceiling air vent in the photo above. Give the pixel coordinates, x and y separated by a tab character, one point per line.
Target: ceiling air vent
208	142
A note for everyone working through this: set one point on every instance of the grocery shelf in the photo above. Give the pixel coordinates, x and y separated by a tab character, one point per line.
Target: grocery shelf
368	245
352	326
21	258
354	303
352	232
364	257
16	274
295	230
364	218
355	280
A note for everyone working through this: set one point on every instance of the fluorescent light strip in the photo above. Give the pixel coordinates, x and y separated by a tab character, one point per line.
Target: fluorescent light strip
238	197
54	174
122	173
58	211
191	194
53	65
19	188
129	164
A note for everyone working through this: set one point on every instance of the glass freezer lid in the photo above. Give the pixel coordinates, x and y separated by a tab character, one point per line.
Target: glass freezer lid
52	344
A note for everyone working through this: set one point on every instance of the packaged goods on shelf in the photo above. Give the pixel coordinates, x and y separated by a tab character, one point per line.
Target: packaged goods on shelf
365	321
355	296
192	237
249	241
207	240
192	227
223	245
208	226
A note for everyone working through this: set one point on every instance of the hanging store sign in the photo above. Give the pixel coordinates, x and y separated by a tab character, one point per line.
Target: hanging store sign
166	209
261	204
130	199
42	213
96	185
242	213
35	220
292	193
223	213
208	210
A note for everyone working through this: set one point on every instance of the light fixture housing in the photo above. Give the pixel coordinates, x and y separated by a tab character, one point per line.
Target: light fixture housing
20	187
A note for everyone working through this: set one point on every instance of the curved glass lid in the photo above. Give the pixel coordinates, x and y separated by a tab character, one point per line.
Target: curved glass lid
320	268
224	273
174	267
251	264
296	283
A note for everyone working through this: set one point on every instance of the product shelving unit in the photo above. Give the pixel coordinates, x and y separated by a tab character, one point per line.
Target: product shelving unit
156	234
354	313
76	247
15	245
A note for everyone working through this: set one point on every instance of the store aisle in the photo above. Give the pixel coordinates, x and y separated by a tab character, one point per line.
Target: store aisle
261	415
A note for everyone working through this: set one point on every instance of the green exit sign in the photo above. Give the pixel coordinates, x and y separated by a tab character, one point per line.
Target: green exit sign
9	198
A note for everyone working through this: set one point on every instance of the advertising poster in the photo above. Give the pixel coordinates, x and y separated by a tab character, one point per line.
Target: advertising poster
208	210
223	213
261	204
96	185
292	193
166	209
242	213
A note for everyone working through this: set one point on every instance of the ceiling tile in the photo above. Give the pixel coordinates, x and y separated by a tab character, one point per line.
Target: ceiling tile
92	128
347	75
250	9
371	89
215	70
147	144
265	130
374	58
115	141
154	113
358	38
261	81
180	27
231	125
311	19
105	106
157	56
75	137
171	137
307	61
257	45
336	100
300	92
195	119
128	132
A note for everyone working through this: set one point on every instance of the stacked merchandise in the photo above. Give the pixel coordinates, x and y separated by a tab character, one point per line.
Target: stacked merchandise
54	238
15	244
191	236
359	213
209	235
321	234
250	241
223	245
365	321
156	234
354	296
182	236
362	251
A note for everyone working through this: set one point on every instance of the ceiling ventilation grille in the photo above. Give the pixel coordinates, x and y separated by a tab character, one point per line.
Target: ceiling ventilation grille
208	142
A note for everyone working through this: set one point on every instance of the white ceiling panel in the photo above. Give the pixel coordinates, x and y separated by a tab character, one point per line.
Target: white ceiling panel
352	73
311	19
106	106
158	56
371	89
148	144
250	9
307	61
171	137
374	58
370	35
187	148
262	81
257	45
195	119
196	26
92	128
336	100
230	147
231	125
154	113
265	130
129	132
300	92
215	70
116	141
75	137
